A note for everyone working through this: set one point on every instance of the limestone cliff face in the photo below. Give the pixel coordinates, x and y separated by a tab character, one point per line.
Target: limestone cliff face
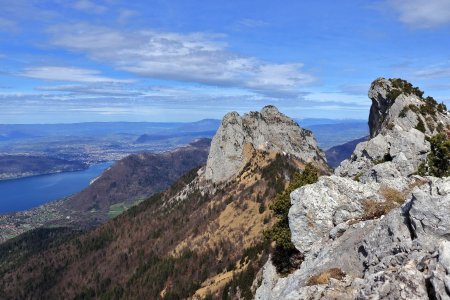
267	130
380	104
375	221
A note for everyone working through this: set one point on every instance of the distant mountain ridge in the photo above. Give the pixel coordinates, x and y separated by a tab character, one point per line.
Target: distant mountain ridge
91	143
17	166
335	155
308	122
139	175
330	135
101	128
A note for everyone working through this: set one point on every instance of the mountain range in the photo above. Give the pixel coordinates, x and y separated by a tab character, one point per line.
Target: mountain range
28	150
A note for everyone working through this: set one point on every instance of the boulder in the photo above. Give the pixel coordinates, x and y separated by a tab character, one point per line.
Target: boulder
318	208
429	212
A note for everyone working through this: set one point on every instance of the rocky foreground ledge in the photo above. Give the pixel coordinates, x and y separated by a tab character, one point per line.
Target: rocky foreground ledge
379	228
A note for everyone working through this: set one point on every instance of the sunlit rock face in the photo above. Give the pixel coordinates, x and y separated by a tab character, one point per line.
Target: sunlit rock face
267	130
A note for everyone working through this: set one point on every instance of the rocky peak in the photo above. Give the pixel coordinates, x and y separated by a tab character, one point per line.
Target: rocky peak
267	130
231	118
397	103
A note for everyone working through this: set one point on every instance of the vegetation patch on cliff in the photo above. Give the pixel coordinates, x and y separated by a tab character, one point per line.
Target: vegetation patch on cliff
429	106
438	160
285	256
400	86
375	209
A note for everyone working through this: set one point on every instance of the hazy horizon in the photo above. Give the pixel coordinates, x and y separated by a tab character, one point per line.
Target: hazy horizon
193	121
181	122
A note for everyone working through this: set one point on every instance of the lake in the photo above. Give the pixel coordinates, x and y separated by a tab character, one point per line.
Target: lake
29	192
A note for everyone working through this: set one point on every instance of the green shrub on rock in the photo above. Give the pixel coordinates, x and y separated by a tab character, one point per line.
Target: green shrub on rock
438	160
439	157
285	256
420	126
405	87
441	107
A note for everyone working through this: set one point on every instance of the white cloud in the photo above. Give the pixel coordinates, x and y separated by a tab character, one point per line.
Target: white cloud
195	57
355	89
7	25
68	74
92	89
125	15
422	13
433	72
338	98
89	6
21	11
251	23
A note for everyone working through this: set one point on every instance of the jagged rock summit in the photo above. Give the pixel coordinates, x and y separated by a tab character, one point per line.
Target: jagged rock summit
267	130
375	229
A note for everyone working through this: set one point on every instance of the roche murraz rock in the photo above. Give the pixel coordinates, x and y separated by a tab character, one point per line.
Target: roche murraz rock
374	230
268	130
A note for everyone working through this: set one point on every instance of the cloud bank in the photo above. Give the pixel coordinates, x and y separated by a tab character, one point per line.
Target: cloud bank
195	58
422	13
69	74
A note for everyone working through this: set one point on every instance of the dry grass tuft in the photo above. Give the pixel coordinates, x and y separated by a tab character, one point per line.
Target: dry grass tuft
417	182
374	209
392	195
325	276
393	199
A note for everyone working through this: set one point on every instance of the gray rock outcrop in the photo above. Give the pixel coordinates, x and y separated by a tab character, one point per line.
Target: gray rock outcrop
268	130
386	229
393	257
387	156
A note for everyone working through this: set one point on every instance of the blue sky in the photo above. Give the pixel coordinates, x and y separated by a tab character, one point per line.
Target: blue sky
111	60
